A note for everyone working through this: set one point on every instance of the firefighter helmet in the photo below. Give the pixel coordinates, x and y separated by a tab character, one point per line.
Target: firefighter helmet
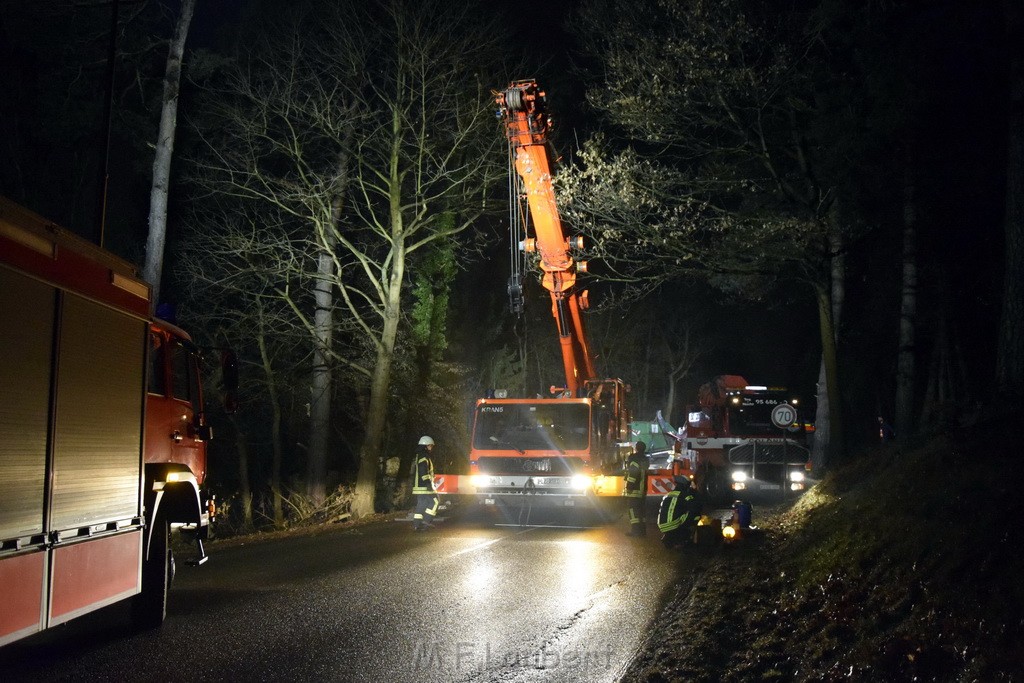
641	448
426	441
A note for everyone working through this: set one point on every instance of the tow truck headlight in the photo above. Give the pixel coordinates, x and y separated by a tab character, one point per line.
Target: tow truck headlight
739	476
581	482
796	475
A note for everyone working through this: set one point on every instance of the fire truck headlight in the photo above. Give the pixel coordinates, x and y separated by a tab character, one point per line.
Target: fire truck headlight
739	476
581	482
478	480
796	475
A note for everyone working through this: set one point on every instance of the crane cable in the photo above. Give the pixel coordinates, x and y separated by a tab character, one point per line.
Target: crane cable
517	220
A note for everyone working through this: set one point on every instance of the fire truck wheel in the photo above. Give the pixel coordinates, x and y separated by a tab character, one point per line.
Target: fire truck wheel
149	608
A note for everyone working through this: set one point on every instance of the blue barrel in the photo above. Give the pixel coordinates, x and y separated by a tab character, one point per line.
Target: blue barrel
743	512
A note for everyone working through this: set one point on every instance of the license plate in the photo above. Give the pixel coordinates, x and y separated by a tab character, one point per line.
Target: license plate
771	486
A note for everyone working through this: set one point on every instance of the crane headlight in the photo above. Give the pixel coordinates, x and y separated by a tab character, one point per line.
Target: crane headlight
581	482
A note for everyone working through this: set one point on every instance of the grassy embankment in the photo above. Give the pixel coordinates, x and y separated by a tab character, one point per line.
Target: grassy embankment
907	564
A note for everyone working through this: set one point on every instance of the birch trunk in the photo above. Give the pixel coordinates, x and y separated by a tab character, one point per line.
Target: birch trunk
157	237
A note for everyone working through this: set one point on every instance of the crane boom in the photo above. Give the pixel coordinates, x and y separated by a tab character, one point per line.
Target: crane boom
523	109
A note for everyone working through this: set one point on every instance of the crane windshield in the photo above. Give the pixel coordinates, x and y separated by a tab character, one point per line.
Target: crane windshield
532	426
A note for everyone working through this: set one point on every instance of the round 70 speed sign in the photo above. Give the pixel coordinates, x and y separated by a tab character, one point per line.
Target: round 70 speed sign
783	415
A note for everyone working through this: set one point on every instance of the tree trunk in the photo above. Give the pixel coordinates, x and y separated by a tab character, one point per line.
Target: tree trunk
369	458
828	418
380	384
946	398
670	403
277	447
323	328
244	489
164	150
320	382
1010	354
830	358
908	315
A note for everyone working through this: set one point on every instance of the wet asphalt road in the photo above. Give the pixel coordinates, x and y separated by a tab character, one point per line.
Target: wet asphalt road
462	602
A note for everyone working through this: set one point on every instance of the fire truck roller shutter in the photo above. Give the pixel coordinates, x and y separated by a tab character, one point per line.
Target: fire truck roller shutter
99	411
26	346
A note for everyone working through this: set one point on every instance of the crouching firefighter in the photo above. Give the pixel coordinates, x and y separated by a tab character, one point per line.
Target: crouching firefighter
636	489
679	512
423	486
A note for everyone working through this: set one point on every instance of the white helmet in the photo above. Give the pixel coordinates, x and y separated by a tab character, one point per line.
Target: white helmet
426	441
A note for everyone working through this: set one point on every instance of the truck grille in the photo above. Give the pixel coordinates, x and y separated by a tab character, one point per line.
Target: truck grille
543	466
775	453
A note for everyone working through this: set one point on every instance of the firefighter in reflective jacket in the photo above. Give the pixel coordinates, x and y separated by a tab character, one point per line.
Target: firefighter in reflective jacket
636	489
423	486
679	512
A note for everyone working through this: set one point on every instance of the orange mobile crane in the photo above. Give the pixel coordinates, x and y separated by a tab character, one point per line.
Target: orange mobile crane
569	447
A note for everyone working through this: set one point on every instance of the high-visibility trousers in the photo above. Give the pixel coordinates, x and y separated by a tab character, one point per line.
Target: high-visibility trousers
426	504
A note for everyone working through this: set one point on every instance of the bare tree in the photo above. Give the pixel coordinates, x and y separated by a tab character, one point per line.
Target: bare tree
234	265
364	129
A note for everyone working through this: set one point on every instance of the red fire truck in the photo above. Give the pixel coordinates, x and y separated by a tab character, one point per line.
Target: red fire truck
747	438
102	432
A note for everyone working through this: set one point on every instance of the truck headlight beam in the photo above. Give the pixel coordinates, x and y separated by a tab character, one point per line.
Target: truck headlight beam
581	482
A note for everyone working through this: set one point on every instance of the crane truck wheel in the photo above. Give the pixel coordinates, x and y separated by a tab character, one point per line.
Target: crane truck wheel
149	608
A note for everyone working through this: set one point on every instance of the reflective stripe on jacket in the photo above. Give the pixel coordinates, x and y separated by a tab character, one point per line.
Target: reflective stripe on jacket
636	478
424	481
674	510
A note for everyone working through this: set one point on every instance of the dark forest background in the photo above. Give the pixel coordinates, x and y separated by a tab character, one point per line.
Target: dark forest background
886	117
